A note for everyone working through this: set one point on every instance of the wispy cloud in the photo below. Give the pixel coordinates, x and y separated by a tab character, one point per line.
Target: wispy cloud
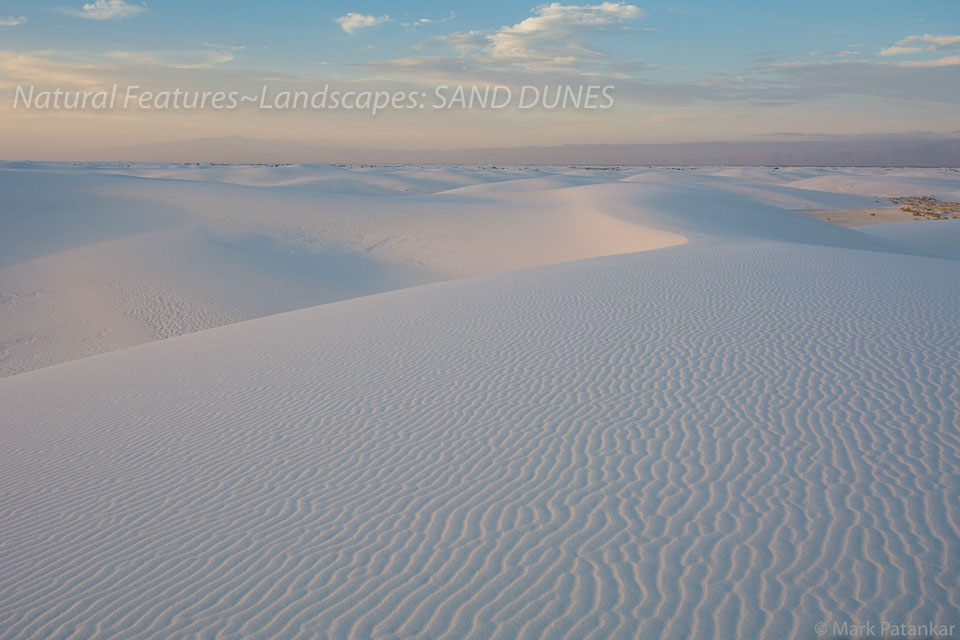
899	51
846	53
353	22
933	43
917	44
107	10
929	80
951	61
220	53
133	57
11	21
464	41
212	54
423	21
45	67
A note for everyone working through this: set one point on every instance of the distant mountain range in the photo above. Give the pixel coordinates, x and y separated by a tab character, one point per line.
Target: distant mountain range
841	152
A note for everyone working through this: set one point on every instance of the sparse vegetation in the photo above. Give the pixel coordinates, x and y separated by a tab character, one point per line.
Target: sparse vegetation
927	208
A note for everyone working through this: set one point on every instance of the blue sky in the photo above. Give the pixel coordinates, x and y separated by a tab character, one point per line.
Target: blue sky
698	37
696	69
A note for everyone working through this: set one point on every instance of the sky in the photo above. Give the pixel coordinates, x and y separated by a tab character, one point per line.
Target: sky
681	71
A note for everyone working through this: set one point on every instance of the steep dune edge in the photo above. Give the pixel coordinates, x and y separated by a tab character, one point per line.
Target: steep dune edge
734	439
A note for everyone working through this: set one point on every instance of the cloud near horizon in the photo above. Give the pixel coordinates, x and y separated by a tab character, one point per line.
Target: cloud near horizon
12	21
950	61
44	68
353	22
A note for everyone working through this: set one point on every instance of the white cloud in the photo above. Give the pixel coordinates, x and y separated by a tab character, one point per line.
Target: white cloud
11	21
553	30
423	21
107	10
899	51
918	44
355	21
934	43
553	40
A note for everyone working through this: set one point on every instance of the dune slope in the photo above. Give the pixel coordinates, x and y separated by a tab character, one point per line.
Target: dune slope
669	444
737	437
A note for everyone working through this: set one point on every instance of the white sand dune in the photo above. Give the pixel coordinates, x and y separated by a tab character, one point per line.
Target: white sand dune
736	436
353	179
91	261
886	182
